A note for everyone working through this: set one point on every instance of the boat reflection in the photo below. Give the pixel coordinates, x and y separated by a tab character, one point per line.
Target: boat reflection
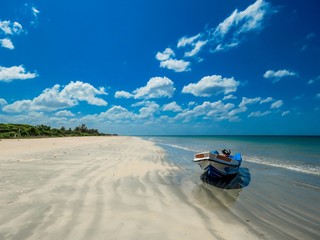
240	180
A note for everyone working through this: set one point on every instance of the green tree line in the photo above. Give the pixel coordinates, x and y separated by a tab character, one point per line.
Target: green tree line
8	130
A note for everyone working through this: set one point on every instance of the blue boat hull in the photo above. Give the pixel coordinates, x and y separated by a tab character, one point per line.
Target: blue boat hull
218	166
215	173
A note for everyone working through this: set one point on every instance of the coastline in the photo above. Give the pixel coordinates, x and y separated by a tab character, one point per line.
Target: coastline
100	188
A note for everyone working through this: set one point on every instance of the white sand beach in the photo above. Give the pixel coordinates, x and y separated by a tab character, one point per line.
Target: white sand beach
99	188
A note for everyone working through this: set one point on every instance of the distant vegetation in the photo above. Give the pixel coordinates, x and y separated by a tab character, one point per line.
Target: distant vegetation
25	131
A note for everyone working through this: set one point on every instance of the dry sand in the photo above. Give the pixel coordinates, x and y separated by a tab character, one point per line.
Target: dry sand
99	188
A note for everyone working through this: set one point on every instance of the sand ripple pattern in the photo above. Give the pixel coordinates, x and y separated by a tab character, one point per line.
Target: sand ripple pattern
100	188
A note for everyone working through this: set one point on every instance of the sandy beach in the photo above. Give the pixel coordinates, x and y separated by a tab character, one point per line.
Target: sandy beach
100	188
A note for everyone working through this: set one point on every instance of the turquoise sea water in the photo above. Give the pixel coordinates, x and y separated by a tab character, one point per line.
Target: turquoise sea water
299	154
277	191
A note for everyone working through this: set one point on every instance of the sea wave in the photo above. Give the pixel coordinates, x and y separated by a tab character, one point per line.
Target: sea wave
308	169
288	165
179	147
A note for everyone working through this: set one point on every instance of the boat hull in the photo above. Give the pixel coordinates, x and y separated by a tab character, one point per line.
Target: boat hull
218	166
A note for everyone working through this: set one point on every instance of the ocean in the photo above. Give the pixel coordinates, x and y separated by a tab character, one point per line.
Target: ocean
277	191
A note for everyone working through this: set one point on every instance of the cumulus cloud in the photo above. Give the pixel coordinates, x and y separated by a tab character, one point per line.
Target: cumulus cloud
165	55
149	109
285	113
120	114
11	28
157	87
2	102
236	111
6	43
64	113
175	65
245	102
229	97
248	101
278	75
117	114
15	73
266	100
212	85
52	99
167	61
208	110
259	114
173	106
277	104
123	94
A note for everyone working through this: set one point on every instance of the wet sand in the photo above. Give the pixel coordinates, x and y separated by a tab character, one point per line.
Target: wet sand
104	188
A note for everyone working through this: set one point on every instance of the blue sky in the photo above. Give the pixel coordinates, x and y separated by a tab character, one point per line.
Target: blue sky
162	67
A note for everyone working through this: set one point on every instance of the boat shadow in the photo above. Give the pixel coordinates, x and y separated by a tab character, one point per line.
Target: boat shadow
240	180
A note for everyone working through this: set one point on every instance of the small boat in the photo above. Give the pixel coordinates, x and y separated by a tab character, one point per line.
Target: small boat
217	165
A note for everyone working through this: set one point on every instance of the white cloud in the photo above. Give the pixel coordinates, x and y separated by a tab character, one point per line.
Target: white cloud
6	43
84	92
167	61
175	65
157	87
285	113
149	109
266	100
31	13
2	102
184	41
248	101
277	75
196	48
208	110
123	94
313	80
10	28
52	99
212	85
118	114
236	111
230	32
277	104
15	73
228	97
35	11
64	113
167	54
317	96
173	106
191	43
259	114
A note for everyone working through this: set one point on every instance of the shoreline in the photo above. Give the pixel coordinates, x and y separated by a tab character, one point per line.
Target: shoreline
111	187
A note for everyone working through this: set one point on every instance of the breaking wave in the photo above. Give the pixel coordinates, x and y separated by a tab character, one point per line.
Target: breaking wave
309	169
